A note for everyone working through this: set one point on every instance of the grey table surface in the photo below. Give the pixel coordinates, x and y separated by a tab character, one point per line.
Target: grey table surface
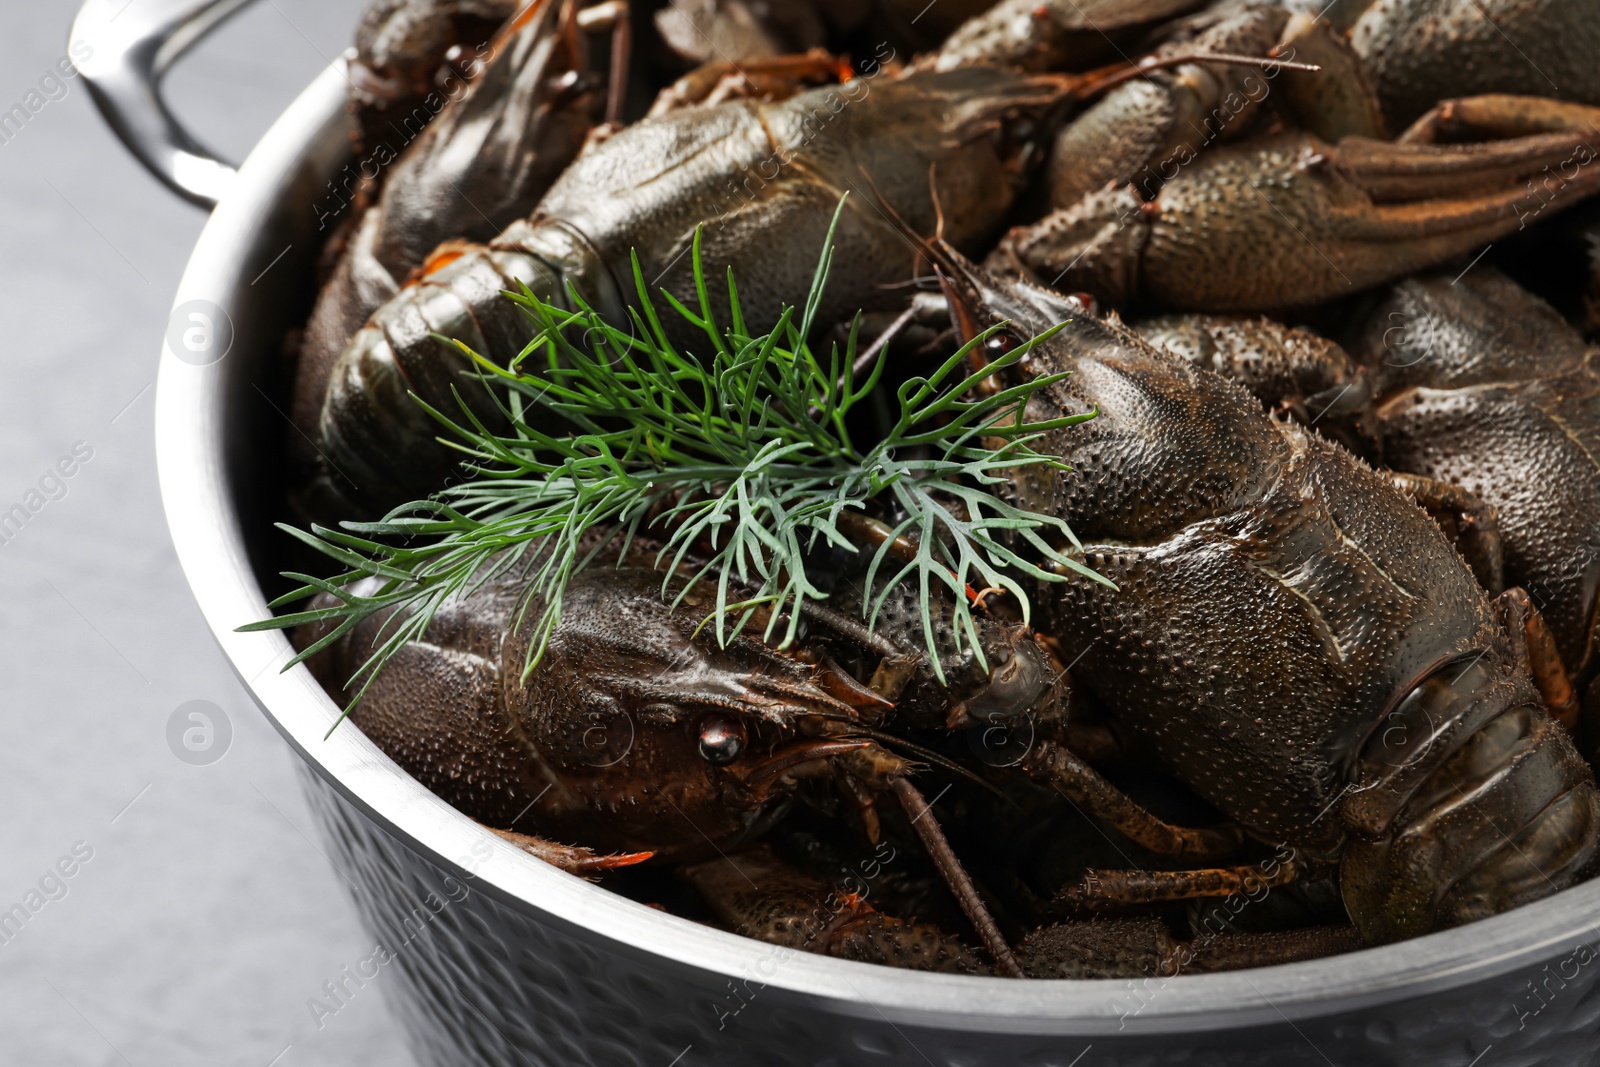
205	920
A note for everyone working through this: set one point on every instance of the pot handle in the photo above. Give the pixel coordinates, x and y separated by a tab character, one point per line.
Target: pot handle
130	44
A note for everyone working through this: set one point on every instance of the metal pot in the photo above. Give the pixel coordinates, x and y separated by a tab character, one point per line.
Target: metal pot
502	960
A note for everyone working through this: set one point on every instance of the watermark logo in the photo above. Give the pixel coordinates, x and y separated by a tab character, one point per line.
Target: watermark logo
1002	744
51	86
199	733
199	332
51	886
607	739
51	486
1410	338
843	899
1551	185
341	989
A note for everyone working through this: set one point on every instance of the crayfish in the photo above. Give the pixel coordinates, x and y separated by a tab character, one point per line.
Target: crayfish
1344	652
639	733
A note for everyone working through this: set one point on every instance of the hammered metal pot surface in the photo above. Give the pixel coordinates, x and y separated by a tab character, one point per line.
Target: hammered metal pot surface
498	959
486	983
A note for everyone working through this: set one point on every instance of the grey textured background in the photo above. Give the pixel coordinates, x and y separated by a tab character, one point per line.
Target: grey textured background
207	915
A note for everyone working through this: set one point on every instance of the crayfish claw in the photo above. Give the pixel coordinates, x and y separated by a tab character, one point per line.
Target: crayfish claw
839	684
574	859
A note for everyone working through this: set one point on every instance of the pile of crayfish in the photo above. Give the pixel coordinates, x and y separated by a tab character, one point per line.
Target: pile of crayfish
1325	277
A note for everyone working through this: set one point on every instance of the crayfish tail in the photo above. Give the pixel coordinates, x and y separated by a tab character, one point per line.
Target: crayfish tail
1511	816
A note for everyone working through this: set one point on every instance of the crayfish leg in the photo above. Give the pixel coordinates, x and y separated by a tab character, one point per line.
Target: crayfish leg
1469	521
1131	948
770	78
1233	952
920	812
864	802
757	895
1495	116
1094	740
1539	653
1102	948
1102	890
612	16
1083	786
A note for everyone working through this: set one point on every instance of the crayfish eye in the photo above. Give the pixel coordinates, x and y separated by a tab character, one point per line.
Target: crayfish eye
722	739
1002	344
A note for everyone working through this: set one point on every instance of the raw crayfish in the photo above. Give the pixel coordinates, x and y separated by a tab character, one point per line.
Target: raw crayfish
638	735
1287	219
1481	400
742	170
493	151
1291	636
1296	639
1163	195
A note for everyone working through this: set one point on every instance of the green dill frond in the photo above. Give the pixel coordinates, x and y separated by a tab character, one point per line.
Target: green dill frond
744	448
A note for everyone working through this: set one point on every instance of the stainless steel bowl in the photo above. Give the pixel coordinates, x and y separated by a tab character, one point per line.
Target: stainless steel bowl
502	960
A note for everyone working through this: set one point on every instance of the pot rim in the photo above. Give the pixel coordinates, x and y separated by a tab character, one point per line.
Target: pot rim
209	541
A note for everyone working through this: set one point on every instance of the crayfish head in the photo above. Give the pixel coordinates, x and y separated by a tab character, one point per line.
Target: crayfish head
981	296
653	729
1095	246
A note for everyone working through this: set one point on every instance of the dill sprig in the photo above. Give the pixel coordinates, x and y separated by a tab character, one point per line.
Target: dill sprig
738	459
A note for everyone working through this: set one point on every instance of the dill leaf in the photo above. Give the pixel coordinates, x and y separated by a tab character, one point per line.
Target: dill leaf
739	462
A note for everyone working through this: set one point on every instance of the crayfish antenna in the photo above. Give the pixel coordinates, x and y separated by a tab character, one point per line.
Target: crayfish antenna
930	757
920	812
1096	82
924	247
940	254
938	208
